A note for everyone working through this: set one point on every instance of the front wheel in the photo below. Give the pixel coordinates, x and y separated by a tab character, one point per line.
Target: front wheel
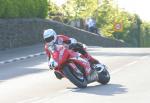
76	78
104	76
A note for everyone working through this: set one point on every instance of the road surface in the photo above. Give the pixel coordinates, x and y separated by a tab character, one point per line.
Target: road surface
29	80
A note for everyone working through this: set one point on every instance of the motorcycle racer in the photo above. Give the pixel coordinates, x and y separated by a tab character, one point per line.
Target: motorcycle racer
51	38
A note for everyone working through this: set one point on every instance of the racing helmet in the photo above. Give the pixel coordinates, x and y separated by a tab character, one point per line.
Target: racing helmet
49	36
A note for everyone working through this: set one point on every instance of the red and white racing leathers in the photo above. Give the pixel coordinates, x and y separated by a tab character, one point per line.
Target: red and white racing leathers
62	39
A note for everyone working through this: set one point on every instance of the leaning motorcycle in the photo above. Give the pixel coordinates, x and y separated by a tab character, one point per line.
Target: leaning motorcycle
76	67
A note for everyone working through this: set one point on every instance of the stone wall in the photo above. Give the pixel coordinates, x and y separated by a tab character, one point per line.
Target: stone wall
22	32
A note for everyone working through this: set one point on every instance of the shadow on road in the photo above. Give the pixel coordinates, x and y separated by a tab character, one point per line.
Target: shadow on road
21	68
109	89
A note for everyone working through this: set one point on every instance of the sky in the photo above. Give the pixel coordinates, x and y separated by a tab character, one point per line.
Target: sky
59	2
140	7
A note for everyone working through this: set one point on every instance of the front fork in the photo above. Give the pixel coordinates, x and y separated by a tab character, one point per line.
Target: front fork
93	76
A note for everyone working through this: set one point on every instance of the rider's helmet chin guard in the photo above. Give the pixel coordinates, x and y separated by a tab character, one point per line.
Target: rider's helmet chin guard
49	36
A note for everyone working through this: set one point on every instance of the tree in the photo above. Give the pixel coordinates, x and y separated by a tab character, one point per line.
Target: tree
145	34
23	8
106	17
75	9
106	14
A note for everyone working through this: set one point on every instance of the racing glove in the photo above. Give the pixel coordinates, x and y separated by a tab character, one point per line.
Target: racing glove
52	64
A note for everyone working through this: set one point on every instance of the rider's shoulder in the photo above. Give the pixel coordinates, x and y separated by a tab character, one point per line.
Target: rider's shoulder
63	36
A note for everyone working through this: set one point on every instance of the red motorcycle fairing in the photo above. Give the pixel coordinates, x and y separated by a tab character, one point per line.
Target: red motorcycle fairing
63	55
82	62
75	67
60	55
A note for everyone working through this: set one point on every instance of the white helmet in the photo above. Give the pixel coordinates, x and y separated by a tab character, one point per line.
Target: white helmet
49	36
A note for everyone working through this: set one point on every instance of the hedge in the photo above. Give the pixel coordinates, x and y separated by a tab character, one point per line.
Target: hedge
23	8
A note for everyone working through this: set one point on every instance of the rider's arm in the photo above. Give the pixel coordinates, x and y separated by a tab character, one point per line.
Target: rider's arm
68	40
47	51
73	40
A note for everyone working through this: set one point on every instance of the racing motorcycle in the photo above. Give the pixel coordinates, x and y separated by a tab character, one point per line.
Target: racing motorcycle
75	67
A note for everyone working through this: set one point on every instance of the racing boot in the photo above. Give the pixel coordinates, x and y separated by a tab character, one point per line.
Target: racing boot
94	63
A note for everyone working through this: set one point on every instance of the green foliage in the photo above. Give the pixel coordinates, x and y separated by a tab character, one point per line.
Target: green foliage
106	13
131	29
145	37
7	9
75	9
106	17
53	10
23	8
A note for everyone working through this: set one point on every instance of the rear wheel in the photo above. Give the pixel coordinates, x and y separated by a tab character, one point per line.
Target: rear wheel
77	78
104	76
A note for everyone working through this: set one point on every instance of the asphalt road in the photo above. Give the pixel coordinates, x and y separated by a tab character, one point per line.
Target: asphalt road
30	81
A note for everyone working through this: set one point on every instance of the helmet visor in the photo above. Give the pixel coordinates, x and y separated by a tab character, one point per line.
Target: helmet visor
49	39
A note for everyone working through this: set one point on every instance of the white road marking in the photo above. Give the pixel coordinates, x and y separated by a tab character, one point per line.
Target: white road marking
33	55
144	57
22	58
119	69
129	64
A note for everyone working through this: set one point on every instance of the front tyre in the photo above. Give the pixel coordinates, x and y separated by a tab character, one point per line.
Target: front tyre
77	80
104	76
